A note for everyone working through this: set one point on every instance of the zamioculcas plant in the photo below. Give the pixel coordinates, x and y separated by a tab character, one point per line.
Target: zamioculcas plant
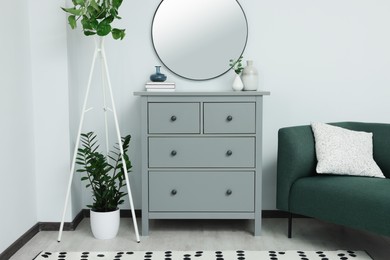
104	174
95	17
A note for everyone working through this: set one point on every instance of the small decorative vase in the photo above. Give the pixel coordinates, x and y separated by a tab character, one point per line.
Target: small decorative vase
105	225
250	77
158	76
237	83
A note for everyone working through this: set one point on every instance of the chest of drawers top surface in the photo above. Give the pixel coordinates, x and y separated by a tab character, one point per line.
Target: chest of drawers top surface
202	93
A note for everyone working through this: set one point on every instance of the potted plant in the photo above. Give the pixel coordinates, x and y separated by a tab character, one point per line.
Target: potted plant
96	17
236	65
105	177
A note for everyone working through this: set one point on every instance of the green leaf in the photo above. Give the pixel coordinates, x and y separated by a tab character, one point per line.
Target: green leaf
89	33
73	11
109	19
95	5
116	3
103	28
72	21
94	23
91	12
101	14
118	34
104	180
79	2
114	13
85	23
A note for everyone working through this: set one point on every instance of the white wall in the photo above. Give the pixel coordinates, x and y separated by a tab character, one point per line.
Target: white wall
17	189
321	60
49	67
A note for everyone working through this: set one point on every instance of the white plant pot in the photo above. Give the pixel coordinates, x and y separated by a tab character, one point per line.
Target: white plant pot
105	225
237	83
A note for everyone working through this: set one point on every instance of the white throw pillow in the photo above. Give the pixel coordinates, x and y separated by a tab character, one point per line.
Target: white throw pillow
343	151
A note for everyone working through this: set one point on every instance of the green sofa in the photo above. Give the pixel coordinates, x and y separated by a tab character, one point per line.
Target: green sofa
357	202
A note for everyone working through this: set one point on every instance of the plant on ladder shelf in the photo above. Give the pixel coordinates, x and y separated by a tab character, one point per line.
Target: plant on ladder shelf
96	18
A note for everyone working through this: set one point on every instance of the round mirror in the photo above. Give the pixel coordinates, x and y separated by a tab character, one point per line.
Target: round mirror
195	39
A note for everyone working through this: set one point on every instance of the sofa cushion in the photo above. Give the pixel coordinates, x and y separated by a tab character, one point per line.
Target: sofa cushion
359	202
343	151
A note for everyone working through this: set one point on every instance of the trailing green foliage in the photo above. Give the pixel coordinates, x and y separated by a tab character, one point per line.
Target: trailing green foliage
105	177
95	17
236	65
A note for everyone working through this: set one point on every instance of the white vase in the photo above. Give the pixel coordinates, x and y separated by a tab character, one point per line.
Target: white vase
105	225
237	83
250	77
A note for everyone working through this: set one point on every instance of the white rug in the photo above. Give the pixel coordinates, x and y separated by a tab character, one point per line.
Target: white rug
208	255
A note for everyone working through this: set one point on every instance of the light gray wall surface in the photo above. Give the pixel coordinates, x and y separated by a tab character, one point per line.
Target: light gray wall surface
17	178
321	61
49	70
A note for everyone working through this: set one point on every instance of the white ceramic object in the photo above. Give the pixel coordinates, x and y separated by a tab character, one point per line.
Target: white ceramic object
250	77
105	225
237	83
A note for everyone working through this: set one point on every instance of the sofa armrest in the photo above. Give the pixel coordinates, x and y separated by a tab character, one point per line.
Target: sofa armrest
296	159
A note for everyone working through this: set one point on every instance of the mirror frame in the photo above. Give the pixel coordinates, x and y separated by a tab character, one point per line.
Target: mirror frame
208	78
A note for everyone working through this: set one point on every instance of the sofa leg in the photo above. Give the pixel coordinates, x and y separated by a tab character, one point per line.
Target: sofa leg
290	216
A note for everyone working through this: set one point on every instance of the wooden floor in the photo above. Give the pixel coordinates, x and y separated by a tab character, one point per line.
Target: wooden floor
308	234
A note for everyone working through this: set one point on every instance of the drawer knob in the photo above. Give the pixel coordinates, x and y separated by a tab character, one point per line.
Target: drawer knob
229	118
173	192
173	118
229	153
229	192
173	153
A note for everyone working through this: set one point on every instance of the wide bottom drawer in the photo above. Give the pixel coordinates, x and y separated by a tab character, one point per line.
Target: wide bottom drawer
201	191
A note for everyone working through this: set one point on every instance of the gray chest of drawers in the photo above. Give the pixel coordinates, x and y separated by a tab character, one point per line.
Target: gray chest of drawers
201	156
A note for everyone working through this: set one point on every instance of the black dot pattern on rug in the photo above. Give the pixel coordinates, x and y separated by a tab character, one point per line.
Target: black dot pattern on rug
322	255
302	255
168	255
46	255
219	255
148	255
352	253
199	255
84	255
343	256
118	255
240	254
272	255
62	255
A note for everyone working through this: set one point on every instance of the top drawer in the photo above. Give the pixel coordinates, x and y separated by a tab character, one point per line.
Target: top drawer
175	118
229	118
